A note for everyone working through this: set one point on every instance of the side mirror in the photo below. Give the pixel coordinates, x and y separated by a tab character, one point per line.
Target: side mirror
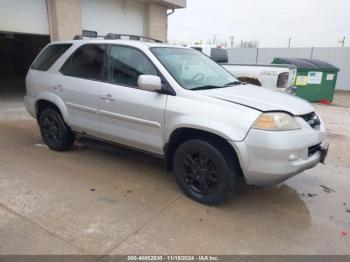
149	83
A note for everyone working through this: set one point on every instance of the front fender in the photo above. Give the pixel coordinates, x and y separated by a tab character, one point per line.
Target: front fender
225	131
56	100
228	120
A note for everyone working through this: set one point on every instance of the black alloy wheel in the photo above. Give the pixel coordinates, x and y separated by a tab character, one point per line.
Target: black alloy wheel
54	131
203	172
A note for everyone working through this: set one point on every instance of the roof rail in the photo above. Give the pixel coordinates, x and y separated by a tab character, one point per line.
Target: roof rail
131	37
109	36
87	34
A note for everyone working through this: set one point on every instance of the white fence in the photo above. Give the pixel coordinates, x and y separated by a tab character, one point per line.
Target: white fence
340	57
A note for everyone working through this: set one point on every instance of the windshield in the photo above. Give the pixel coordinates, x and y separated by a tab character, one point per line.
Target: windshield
193	70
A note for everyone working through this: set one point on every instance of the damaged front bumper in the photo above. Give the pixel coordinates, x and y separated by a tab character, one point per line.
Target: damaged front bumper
270	157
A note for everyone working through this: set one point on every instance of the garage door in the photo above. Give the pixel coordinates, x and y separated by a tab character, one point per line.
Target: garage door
24	16
113	16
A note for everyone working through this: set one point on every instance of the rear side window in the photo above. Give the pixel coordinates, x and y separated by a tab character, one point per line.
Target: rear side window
49	56
86	62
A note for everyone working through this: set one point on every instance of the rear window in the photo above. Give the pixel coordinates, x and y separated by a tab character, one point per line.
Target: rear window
49	56
219	55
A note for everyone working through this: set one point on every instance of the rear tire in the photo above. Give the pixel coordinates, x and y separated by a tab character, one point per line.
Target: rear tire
54	131
204	173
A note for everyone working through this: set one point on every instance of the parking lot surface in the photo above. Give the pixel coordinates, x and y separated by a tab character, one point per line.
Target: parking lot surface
105	199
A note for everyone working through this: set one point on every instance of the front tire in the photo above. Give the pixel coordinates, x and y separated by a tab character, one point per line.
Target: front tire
204	173
54	131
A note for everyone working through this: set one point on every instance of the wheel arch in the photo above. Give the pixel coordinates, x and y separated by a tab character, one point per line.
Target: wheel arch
48	100
183	134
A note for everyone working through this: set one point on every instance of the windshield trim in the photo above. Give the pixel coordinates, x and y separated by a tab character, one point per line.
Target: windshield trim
177	47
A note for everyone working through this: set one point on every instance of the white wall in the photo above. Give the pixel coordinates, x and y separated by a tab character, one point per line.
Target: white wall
242	55
266	55
24	16
340	57
113	16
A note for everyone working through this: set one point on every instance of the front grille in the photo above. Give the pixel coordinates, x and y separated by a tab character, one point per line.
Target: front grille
312	119
313	149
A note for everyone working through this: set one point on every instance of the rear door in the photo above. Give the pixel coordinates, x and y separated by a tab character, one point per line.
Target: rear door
39	76
130	115
80	84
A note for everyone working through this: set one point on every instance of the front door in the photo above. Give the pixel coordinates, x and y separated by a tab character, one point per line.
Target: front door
130	115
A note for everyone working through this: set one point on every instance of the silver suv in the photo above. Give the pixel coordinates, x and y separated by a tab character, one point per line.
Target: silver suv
178	104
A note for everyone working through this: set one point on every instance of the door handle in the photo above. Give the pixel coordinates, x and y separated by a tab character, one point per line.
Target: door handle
58	87
108	98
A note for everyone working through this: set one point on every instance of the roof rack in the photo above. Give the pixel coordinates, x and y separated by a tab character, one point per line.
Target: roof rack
109	36
131	37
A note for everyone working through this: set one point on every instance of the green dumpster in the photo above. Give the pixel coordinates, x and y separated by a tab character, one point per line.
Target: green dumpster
315	80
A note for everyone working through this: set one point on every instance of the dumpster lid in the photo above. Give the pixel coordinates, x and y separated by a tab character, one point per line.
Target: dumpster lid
306	63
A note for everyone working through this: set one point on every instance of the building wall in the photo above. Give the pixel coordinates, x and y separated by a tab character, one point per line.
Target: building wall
339	57
67	18
156	21
113	16
176	3
64	19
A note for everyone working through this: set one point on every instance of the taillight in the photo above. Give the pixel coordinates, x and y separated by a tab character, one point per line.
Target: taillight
282	81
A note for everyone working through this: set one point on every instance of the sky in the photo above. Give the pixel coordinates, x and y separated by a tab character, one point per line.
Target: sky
318	23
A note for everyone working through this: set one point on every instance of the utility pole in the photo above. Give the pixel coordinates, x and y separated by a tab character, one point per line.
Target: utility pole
214	40
342	42
232	41
289	42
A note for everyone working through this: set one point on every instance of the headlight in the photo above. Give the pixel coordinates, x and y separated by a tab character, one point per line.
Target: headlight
276	121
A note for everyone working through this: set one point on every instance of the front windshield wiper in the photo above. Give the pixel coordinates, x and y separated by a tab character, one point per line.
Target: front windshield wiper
234	83
206	87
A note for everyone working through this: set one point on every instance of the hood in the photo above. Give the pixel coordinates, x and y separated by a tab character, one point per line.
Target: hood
261	99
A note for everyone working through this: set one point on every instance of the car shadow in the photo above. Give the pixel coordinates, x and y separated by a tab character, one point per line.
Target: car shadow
280	201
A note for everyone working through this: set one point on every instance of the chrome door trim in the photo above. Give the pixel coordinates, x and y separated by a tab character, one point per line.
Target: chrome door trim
130	119
82	108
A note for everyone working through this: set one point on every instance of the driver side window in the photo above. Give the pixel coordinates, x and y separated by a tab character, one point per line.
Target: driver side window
126	64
